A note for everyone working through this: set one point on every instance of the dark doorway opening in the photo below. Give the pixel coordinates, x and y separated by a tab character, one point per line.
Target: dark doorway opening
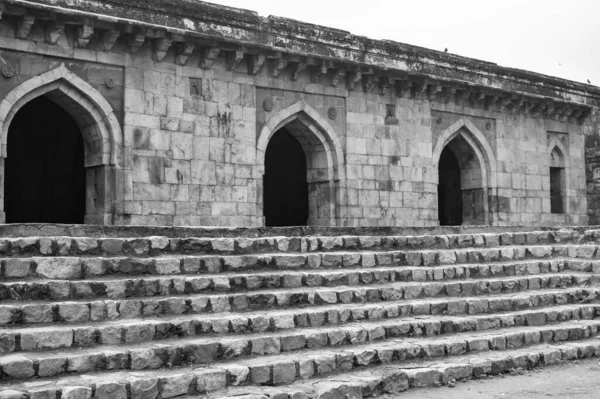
450	209
285	182
45	174
556	201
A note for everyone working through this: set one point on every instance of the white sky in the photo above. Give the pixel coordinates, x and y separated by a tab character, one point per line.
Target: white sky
554	37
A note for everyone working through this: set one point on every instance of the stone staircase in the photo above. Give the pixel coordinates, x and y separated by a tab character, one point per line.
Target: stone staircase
133	312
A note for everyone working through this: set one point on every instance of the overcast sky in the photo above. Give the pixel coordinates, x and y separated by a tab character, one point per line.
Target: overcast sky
554	37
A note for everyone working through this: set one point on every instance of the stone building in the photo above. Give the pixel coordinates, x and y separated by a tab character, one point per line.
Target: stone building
178	112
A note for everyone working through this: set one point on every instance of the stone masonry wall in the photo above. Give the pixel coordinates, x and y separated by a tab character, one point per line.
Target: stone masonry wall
191	131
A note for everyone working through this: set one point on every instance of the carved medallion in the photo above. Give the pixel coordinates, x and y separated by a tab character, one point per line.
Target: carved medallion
268	105
110	83
488	126
8	71
332	113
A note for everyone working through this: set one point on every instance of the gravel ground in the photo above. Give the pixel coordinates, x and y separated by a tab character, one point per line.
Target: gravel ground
578	380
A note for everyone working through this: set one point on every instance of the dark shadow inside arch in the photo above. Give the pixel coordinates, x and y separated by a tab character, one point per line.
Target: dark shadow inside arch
45	179
285	182
450	207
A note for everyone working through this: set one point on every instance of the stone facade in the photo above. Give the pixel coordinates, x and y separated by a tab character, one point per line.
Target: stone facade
177	103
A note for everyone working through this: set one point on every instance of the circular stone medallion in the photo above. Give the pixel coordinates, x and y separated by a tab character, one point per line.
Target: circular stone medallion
110	83
268	105
8	71
332	113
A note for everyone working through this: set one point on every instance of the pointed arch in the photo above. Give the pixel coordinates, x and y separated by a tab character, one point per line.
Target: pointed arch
99	126
555	144
466	130
90	110
318	125
324	156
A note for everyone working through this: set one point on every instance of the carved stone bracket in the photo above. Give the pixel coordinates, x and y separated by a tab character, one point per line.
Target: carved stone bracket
278	65
433	90
403	87
24	26
233	58
161	47
338	75
490	101
299	67
368	83
183	51
255	63
353	78
83	34
419	89
477	99
208	56
108	38
54	30
385	85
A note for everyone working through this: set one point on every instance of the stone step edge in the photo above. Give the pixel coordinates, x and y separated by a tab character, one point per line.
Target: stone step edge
201	380
391	379
34	312
38	343
154	244
55	337
75	268
238	352
122	287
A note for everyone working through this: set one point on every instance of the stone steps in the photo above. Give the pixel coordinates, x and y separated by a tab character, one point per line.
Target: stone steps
76	267
157	245
115	287
391	378
63	335
36	311
289	368
257	314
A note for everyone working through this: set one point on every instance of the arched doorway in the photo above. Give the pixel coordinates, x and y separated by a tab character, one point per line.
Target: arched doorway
476	172
285	183
323	159
462	186
76	106
44	172
450	212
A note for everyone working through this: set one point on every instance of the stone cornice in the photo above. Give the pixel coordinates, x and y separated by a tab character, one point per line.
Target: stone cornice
338	56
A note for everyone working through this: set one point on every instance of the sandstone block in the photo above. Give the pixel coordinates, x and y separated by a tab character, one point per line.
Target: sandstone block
76	393
17	366
208	380
59	268
175	385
